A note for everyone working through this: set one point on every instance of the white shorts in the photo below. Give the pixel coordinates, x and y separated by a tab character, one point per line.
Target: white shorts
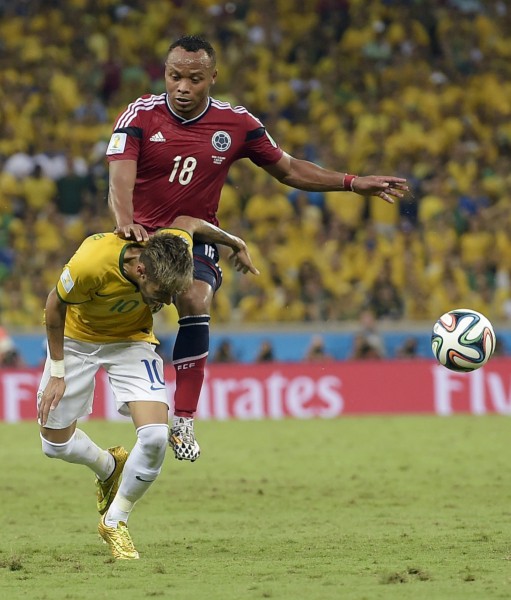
135	373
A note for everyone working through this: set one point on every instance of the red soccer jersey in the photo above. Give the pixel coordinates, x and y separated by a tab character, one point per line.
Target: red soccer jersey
182	165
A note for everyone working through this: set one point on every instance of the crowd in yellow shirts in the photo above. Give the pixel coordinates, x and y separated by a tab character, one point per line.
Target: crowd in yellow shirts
410	88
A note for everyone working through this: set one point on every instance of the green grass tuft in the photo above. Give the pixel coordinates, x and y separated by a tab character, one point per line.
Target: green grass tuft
352	509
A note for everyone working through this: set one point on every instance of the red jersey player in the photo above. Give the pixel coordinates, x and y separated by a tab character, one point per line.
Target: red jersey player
169	155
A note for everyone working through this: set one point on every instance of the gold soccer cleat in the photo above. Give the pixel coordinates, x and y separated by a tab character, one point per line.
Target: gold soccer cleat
119	540
106	490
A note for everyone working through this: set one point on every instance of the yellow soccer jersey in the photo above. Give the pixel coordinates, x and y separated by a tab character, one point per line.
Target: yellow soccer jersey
104	306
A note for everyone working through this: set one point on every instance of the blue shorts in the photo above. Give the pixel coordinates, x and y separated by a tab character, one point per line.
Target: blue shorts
205	263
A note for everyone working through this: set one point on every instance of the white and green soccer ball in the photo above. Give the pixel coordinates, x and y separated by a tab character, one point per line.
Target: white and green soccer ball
463	340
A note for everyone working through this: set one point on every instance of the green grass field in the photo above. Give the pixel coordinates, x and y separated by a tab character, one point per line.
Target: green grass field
356	508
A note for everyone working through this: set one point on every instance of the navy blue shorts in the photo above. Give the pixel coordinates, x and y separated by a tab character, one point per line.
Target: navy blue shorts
205	264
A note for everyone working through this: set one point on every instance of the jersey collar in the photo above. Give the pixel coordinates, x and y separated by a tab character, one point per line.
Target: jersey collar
181	119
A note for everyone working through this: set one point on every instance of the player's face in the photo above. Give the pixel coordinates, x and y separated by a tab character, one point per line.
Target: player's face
151	293
188	77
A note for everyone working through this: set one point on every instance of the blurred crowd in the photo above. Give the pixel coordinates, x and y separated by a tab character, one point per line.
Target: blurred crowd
415	88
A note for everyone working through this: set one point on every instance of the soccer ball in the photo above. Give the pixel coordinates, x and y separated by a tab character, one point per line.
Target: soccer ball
463	340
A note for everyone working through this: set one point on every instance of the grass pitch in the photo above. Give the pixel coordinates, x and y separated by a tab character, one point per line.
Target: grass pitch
356	508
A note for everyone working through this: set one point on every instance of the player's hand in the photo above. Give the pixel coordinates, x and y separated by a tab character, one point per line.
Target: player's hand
132	232
385	187
241	258
50	398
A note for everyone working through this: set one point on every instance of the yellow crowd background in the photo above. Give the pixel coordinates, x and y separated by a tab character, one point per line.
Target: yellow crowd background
419	89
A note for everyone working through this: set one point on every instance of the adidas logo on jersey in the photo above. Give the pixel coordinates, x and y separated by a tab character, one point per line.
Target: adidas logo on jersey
157	137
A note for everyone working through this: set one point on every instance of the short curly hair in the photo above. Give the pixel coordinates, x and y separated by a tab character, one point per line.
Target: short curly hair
194	43
168	262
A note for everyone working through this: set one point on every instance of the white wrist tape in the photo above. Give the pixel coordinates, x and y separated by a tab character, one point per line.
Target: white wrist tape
57	368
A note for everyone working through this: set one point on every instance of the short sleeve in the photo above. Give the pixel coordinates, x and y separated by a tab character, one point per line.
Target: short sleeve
127	134
76	282
260	147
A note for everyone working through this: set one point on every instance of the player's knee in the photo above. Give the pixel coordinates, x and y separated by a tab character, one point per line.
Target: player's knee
154	439
195	301
195	306
52	450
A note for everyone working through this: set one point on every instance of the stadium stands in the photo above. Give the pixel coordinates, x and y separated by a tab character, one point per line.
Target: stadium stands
386	86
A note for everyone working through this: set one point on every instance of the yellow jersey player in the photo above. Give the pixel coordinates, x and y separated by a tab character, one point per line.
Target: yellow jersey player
105	302
99	315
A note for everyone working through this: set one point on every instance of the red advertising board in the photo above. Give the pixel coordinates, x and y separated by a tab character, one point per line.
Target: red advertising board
307	390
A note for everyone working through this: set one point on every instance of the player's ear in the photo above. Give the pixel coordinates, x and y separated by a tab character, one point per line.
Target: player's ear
141	270
213	77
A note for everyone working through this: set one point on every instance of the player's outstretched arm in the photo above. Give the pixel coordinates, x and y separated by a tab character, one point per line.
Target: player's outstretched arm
55	317
305	175
210	233
121	183
384	186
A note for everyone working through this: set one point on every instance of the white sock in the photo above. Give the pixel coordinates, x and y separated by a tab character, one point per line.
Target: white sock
81	450
141	469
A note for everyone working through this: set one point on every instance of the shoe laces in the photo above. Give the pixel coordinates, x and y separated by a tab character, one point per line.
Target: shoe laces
185	431
124	534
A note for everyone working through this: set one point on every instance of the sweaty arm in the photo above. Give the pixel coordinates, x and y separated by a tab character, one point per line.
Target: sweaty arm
305	175
207	232
55	317
122	177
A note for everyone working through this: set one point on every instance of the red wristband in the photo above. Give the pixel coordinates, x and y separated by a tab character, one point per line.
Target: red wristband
347	182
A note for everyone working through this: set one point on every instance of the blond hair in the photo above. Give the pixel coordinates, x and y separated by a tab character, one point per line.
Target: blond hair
168	262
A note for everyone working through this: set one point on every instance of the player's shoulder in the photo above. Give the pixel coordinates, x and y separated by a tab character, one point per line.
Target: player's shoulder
152	98
101	239
146	103
98	257
98	246
233	112
140	108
